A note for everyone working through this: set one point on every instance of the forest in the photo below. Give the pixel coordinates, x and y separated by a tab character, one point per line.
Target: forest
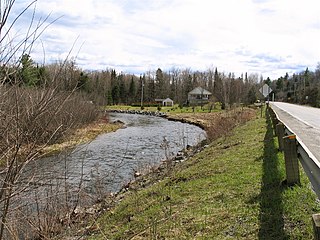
107	87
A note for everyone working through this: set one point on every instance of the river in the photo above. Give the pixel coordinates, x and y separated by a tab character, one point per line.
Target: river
109	161
51	189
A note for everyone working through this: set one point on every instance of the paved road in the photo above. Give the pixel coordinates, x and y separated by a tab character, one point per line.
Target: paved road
303	121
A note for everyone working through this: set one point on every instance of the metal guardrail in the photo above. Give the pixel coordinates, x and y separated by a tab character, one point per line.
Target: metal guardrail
306	158
311	169
292	152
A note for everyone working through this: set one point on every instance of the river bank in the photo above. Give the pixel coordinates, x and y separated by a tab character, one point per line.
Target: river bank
207	121
72	181
230	189
82	135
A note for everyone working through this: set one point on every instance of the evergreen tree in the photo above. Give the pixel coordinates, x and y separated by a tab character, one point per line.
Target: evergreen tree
115	94
306	78
268	81
122	89
115	89
113	78
159	84
132	90
218	89
109	98
29	73
279	84
83	79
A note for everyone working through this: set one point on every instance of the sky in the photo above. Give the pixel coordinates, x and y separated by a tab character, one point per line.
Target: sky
268	37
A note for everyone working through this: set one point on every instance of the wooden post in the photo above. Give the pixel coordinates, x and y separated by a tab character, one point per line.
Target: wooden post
291	159
280	134
316	225
275	121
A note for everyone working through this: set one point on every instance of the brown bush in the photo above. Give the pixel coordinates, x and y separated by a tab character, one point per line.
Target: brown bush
223	123
40	116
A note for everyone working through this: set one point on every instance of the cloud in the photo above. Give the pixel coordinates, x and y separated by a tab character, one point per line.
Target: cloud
269	37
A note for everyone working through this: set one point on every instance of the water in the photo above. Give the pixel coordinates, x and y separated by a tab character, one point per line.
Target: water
108	162
50	189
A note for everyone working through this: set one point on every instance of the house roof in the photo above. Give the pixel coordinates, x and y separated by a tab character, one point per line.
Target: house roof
167	100
200	91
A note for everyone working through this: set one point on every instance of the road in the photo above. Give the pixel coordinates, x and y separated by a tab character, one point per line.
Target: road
303	121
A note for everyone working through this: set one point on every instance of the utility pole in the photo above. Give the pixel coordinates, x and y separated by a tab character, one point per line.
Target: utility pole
142	85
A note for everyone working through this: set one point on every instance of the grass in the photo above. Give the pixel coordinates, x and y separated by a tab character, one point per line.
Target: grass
233	189
171	110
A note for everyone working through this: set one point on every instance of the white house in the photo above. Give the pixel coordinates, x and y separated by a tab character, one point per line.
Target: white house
165	102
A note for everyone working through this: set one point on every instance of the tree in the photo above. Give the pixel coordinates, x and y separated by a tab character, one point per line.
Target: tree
29	73
115	94
132	90
218	89
279	84
159	84
268	81
122	89
109	98
210	80
82	82
306	78
30	118
252	95
188	85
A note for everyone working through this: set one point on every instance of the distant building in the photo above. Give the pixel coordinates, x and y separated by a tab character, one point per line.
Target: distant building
199	96
165	102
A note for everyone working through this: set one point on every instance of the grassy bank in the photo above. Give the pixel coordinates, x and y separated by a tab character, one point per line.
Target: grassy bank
82	135
172	110
231	190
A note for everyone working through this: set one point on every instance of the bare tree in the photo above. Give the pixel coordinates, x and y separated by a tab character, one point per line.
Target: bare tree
30	118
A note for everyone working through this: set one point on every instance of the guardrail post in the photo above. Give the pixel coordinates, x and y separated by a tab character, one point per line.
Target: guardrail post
280	134
274	120
291	159
316	226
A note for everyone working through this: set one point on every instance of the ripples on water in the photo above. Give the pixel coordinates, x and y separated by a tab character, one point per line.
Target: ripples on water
111	159
51	188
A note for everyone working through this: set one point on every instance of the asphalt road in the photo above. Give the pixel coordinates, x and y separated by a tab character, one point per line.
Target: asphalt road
303	121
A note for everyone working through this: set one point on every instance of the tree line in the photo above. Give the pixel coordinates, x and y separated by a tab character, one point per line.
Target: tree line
107	87
174	84
301	88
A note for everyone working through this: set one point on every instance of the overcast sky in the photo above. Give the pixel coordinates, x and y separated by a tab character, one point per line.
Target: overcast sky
269	37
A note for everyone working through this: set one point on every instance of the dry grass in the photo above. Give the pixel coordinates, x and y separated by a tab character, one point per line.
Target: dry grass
82	135
217	124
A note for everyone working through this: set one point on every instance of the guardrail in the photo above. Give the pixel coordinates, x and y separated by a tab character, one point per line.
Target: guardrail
295	150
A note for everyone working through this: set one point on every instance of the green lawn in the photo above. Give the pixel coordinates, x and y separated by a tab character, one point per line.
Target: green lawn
174	109
231	190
